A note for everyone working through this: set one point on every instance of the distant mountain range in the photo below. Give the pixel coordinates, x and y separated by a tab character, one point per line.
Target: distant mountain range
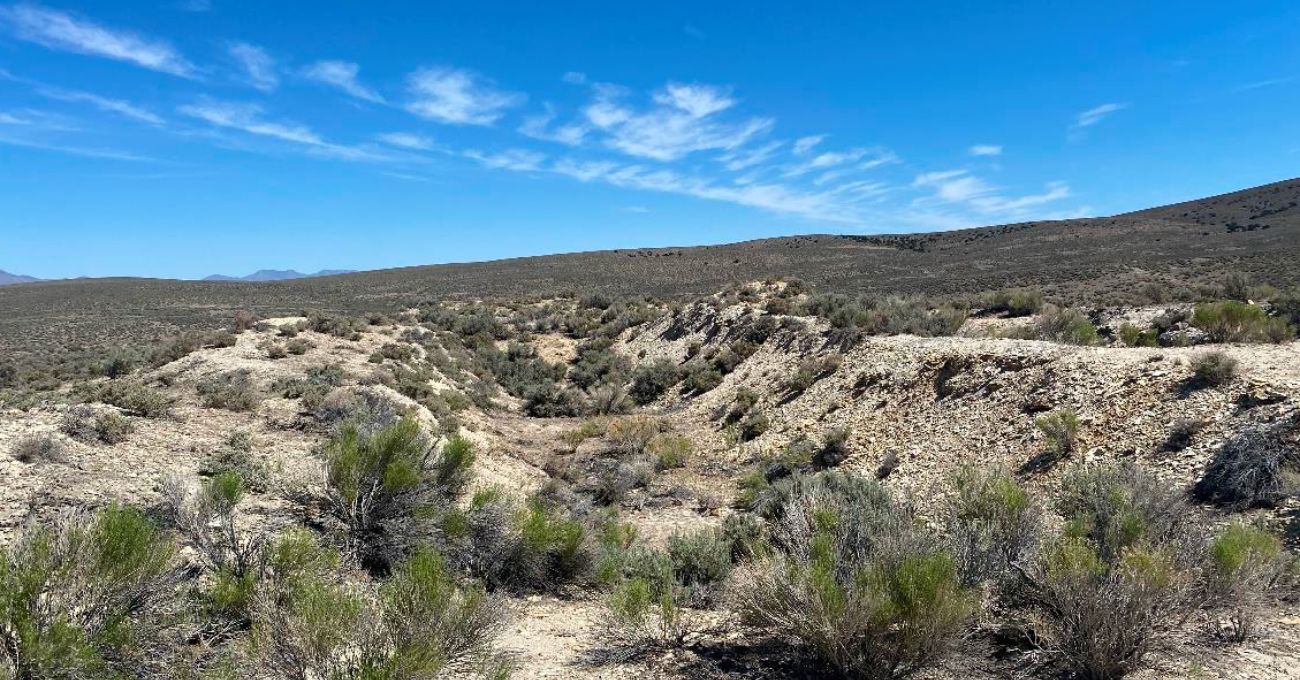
277	275
6	278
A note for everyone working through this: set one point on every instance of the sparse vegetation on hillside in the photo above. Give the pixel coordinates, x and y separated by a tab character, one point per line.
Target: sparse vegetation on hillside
683	488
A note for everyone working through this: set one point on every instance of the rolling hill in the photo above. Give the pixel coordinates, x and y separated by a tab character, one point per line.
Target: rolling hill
1104	260
8	279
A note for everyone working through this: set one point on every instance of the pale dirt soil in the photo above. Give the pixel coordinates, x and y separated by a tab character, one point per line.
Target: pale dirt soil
935	403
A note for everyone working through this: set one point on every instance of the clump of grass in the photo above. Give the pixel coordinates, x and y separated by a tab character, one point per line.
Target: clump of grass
38	448
1182	432
1061	430
1247	564
1213	369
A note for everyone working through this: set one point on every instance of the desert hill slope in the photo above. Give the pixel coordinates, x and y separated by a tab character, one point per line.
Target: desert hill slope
1093	261
919	406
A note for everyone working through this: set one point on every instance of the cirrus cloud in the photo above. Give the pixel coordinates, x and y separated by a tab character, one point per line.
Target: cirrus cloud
458	97
61	31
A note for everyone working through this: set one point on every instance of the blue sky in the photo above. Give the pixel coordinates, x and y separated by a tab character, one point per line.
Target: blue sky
179	139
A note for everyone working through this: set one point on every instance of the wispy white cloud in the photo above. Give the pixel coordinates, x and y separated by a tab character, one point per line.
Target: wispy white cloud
744	158
985	150
61	31
638	209
961	187
575	77
118	106
1097	114
695	99
832	159
805	144
458	96
259	68
539	127
406	140
829	206
10	119
953	186
84	152
248	118
1260	84
681	122
1054	191
520	160
342	75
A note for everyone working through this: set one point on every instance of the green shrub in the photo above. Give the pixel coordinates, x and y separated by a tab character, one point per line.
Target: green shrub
233	391
1213	369
854	577
1233	321
670	451
1102	617
647	611
744	535
1133	336
429	620
1061	429
84	597
701	378
310	623
992	524
1023	302
701	563
1103	592
384	488
1116	507
551	550
133	398
1067	325
650	381
1247	563
206	518
596	362
549	400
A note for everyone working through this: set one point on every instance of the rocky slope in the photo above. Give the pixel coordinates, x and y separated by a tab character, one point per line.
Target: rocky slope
930	403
